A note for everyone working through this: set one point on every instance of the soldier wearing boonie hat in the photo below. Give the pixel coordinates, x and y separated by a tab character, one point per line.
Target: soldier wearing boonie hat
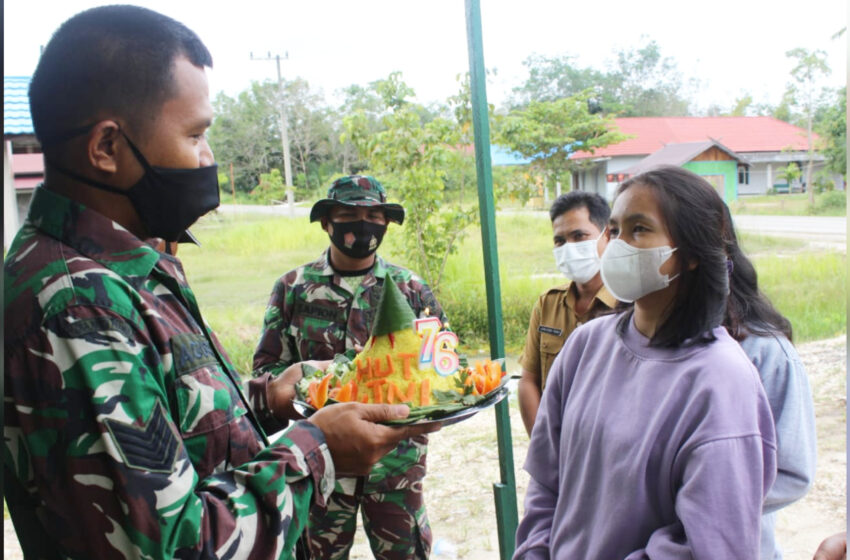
324	308
357	190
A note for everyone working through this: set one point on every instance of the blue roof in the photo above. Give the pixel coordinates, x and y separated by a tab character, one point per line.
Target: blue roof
504	156
16	105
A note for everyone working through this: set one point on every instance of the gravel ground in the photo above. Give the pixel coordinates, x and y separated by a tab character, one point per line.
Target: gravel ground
464	464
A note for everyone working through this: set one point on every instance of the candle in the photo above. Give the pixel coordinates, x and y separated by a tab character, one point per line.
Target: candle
437	350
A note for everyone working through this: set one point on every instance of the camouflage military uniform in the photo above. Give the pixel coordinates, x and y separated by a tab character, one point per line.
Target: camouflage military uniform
126	432
314	313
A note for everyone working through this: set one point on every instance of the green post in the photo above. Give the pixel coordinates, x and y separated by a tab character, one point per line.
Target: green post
504	491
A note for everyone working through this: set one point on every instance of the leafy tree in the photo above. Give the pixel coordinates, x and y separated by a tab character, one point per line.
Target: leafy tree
649	84
270	189
310	132
742	104
790	173
246	132
831	126
548	132
415	159
556	77
640	82
362	108
808	67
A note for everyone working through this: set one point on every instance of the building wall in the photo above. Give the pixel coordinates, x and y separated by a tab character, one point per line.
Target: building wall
728	168
11	220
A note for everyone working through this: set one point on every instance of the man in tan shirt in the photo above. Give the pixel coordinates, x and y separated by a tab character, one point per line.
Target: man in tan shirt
578	224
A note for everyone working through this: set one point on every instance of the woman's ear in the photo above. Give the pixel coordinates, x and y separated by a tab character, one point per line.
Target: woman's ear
692	264
101	146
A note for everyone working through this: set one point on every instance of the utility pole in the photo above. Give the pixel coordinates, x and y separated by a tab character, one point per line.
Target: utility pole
284	130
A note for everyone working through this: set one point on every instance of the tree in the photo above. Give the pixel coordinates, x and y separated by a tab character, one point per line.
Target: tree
808	67
791	173
548	132
310	132
640	82
649	84
246	133
831	126
415	159
553	78
363	108
271	188
741	106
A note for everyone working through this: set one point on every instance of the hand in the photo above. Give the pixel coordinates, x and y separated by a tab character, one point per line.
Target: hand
832	548
355	441
281	389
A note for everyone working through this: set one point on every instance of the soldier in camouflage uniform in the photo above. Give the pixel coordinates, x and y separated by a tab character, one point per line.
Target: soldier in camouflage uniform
127	434
325	308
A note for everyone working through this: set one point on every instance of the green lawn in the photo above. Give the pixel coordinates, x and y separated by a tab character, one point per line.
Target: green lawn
235	269
832	203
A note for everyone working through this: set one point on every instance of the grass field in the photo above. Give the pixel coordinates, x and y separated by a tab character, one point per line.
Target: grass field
241	257
832	203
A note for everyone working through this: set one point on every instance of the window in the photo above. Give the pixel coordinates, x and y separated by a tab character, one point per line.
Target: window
743	175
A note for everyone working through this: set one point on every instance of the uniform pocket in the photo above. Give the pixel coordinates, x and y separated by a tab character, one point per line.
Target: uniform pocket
206	399
550	345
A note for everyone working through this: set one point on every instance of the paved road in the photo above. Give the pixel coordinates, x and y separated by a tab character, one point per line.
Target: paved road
834	229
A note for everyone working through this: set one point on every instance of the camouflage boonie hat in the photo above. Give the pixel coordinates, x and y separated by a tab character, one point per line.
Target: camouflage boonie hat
357	190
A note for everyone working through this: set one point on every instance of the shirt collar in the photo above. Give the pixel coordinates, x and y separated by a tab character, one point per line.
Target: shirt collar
603	296
323	267
92	234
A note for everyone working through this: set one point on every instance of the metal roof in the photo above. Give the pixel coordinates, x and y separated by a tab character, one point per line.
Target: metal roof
741	134
16	106
677	154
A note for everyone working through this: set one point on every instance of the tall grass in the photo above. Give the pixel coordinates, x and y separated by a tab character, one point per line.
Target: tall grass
234	270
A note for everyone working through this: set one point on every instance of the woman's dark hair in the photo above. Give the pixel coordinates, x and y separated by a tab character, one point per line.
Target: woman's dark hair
748	310
694	215
111	60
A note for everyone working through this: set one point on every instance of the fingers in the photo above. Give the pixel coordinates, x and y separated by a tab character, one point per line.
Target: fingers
384	412
833	548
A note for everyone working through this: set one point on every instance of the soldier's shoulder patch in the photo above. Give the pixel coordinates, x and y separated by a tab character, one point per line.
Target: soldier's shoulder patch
151	447
191	351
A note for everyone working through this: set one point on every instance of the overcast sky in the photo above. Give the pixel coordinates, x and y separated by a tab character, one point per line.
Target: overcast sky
731	46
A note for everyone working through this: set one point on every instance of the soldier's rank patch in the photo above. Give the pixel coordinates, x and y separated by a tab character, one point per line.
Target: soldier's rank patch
190	352
322	312
94	329
152	447
549	330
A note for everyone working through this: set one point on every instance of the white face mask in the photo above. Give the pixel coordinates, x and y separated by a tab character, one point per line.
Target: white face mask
578	261
630	273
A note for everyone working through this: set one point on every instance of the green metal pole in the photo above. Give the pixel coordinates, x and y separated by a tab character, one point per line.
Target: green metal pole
505	491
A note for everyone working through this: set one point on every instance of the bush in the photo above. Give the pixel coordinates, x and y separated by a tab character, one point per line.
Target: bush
831	200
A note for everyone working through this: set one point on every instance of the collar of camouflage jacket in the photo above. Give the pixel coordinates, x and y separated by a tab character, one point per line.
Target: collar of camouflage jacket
92	234
322	266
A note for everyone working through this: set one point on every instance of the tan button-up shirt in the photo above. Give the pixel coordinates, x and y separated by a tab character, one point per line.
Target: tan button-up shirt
553	319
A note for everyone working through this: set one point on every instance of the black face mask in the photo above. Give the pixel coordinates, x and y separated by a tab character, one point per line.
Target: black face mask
167	200
359	239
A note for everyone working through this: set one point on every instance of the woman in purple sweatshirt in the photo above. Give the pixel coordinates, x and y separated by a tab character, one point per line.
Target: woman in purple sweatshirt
654	437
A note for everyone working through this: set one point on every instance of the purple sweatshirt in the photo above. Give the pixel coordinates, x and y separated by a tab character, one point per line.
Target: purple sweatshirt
641	452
